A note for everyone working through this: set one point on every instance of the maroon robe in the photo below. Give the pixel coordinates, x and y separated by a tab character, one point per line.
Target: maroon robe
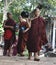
37	35
9	35
22	38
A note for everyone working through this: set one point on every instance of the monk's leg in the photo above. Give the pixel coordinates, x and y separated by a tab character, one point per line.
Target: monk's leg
5	49
36	56
22	48
9	49
38	53
30	54
5	52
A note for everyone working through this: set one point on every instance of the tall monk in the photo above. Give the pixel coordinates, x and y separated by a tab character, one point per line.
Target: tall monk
37	35
9	34
23	32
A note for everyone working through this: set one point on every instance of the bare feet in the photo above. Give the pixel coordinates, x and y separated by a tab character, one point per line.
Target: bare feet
21	54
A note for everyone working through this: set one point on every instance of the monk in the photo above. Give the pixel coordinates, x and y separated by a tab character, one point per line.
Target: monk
9	34
23	32
37	35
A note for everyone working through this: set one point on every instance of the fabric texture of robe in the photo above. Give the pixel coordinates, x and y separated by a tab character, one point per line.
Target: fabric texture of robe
37	35
22	38
9	34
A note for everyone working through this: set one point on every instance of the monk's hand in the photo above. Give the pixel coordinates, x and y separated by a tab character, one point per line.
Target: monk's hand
12	27
24	31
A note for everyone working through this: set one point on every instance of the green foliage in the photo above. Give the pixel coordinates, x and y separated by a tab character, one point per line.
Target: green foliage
1	8
52	2
19	5
1	4
1	17
16	7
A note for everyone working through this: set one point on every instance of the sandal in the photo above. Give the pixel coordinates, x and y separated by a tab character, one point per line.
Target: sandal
36	59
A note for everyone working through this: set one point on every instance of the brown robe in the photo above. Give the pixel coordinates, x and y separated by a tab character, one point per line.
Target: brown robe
22	38
37	35
9	35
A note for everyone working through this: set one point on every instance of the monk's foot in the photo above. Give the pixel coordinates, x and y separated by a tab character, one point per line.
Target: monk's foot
8	55
36	59
22	55
29	58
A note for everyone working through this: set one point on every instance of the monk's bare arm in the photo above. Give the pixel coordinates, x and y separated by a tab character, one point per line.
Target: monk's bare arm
5	26
29	26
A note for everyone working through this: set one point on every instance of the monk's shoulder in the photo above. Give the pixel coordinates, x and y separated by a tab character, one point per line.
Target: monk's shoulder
41	17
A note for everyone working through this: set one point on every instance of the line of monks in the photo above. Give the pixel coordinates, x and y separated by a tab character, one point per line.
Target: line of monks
32	34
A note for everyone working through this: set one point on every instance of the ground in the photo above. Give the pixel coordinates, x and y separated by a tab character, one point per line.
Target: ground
17	60
24	61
